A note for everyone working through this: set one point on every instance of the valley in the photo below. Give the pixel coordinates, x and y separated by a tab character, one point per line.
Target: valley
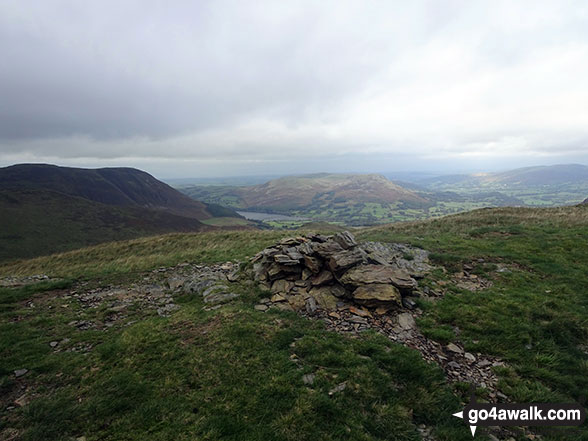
294	221
357	200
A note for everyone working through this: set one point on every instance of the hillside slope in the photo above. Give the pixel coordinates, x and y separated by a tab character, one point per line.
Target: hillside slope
305	191
355	199
521	177
124	187
38	222
46	209
301	191
102	358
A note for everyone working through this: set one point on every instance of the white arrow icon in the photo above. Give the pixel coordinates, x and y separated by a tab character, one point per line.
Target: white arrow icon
460	415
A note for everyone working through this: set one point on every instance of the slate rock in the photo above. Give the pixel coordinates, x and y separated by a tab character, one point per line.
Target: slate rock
291	241
469	356
198	286
294	254
218	294
406	321
358	320
278	298
346	259
175	283
314	264
282	286
285	259
311	305
366	274
452	347
324	297
297	302
345	239
20	372
408	303
326	249
339	388
322	278
377	294
308	379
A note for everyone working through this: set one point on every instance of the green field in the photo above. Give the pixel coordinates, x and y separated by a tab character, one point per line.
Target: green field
453	200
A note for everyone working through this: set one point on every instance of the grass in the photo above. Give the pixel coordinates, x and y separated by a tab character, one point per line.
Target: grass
225	221
228	374
36	222
535	316
146	253
235	373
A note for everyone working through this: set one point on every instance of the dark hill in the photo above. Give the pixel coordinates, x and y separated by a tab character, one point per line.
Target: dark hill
38	222
46	208
125	187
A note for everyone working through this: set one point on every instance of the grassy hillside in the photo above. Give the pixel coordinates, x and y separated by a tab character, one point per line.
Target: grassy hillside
536	313
34	223
46	209
236	373
348	198
125	187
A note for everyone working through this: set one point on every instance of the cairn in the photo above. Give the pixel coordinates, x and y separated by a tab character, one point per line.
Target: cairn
323	271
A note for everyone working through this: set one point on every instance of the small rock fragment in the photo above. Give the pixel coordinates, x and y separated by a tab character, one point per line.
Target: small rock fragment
20	372
308	379
469	356
339	388
452	347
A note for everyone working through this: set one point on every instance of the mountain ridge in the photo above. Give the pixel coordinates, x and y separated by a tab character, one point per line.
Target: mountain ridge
119	186
299	192
46	208
531	176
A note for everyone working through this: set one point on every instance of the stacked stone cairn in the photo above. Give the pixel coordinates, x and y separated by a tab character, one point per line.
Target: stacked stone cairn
313	271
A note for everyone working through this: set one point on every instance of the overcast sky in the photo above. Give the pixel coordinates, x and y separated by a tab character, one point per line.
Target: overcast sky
221	88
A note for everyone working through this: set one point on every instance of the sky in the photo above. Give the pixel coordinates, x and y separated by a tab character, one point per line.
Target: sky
234	88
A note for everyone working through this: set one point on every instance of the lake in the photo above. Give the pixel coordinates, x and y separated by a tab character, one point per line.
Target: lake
251	215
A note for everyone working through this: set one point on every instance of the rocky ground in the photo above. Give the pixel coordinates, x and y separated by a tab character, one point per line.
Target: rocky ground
354	287
350	287
323	295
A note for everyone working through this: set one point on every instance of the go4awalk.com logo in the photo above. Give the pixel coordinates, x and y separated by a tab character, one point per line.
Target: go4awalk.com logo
509	414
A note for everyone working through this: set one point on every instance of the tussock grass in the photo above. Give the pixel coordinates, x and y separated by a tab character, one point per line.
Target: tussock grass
229	374
146	253
151	252
535	316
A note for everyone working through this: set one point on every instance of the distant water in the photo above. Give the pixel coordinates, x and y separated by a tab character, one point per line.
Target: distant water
251	215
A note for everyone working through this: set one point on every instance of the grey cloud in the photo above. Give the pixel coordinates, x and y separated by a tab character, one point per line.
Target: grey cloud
261	83
177	77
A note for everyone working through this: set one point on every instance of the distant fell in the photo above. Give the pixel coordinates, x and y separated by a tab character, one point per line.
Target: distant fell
308	191
300	191
125	187
46	209
526	176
